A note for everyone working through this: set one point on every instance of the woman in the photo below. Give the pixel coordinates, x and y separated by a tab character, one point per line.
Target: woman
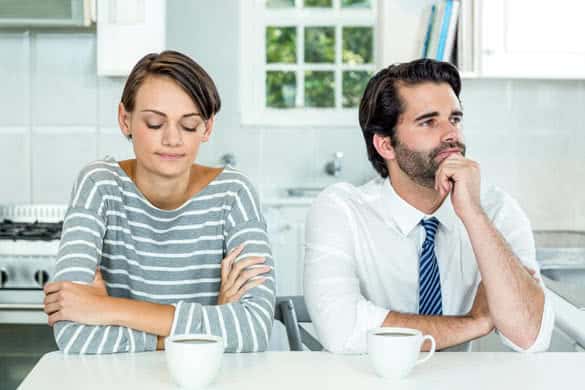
158	245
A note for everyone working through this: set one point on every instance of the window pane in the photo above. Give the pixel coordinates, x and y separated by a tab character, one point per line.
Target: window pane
356	3
280	3
358	45
319	3
320	44
354	84
281	45
319	89
281	89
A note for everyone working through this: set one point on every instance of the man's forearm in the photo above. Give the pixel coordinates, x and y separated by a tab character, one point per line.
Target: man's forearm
447	330
145	316
509	287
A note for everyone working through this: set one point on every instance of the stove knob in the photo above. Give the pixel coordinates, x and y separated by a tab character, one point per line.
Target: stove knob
41	277
3	277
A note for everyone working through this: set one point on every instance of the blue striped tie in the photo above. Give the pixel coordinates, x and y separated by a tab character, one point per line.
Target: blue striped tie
430	300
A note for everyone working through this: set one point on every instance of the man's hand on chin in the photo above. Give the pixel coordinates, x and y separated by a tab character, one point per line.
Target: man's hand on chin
460	177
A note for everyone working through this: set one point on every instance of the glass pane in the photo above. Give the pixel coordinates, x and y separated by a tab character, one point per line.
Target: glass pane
319	89
356	4
354	83
34	9
320	44
280	3
358	45
281	89
319	3
281	44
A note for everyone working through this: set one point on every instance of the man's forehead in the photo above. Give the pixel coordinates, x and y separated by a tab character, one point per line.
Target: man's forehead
427	96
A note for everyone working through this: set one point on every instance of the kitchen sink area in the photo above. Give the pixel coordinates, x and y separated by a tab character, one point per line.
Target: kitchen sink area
561	255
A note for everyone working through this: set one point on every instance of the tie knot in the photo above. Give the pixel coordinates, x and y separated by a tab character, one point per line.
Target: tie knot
430	225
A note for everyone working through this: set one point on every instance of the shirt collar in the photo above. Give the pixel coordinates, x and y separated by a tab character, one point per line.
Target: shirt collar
406	217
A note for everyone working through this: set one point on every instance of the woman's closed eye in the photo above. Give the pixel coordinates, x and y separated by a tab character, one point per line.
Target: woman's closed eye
153	125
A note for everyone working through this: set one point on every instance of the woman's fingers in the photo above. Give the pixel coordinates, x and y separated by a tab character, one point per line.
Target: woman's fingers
239	266
53	287
227	262
52	308
248	286
249	274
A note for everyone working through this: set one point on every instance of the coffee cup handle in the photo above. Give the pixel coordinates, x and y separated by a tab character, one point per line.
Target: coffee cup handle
431	351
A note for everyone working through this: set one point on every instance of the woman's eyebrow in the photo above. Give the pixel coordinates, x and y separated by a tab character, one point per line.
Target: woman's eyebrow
163	114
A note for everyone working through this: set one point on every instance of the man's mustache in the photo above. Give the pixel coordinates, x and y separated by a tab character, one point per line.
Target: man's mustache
448	145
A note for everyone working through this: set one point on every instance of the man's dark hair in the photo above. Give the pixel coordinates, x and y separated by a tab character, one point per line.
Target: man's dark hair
381	106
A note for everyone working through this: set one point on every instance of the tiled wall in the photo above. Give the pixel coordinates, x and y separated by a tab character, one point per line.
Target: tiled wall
56	115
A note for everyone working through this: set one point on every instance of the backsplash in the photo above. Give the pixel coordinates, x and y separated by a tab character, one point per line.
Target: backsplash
57	115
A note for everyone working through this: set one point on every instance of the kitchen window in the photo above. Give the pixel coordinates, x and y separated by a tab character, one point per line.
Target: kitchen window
306	62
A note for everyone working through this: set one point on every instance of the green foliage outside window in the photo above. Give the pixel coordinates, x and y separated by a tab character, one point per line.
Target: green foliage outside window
358	45
320	44
280	3
319	89
281	89
281	44
353	86
356	3
318	3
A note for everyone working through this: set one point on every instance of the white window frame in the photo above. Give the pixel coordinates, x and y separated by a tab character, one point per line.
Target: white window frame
254	19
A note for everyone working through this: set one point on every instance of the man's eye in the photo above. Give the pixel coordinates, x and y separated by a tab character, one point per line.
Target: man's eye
189	128
427	123
153	126
456	119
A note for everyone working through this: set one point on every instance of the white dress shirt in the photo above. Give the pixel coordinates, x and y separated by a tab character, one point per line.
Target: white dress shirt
362	260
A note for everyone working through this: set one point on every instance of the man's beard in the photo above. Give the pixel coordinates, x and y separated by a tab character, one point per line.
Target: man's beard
421	166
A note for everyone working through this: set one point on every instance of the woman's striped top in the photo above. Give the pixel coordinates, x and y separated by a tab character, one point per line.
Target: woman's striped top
164	256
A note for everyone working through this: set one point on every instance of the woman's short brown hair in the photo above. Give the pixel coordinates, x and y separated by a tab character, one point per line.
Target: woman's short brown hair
184	71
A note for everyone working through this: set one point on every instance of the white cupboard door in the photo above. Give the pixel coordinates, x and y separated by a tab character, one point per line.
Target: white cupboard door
533	39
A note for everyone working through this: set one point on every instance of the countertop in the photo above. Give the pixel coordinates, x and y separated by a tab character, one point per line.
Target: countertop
314	370
572	292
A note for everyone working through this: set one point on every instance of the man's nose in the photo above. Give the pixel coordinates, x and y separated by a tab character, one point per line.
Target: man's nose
451	132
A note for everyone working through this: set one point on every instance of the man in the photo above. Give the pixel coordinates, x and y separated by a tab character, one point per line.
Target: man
423	247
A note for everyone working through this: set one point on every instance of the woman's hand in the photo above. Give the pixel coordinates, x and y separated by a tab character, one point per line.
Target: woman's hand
240	277
82	303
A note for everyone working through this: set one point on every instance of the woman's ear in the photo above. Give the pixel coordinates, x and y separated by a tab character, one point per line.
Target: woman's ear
124	121
208	129
384	147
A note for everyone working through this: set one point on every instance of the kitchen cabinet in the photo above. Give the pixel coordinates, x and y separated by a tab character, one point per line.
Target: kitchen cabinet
286	231
532	39
505	39
126	31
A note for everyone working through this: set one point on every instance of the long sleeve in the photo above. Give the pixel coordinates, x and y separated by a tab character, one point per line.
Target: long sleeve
245	325
340	313
79	255
80	252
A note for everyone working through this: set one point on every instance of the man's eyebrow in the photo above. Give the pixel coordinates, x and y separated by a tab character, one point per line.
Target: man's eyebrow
163	114
457	112
426	115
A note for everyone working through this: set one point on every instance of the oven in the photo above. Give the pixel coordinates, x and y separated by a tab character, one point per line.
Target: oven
29	241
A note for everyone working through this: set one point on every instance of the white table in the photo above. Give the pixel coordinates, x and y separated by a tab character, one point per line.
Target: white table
315	370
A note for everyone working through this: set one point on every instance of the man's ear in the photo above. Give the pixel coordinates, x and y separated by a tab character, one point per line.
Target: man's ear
384	147
208	129
124	121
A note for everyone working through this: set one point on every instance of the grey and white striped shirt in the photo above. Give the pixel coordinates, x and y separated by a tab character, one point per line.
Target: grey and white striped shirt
164	256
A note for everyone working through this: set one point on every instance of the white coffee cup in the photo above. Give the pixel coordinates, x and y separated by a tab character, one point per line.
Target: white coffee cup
193	359
394	351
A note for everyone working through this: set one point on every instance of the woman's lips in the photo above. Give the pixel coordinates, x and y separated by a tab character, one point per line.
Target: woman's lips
170	156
